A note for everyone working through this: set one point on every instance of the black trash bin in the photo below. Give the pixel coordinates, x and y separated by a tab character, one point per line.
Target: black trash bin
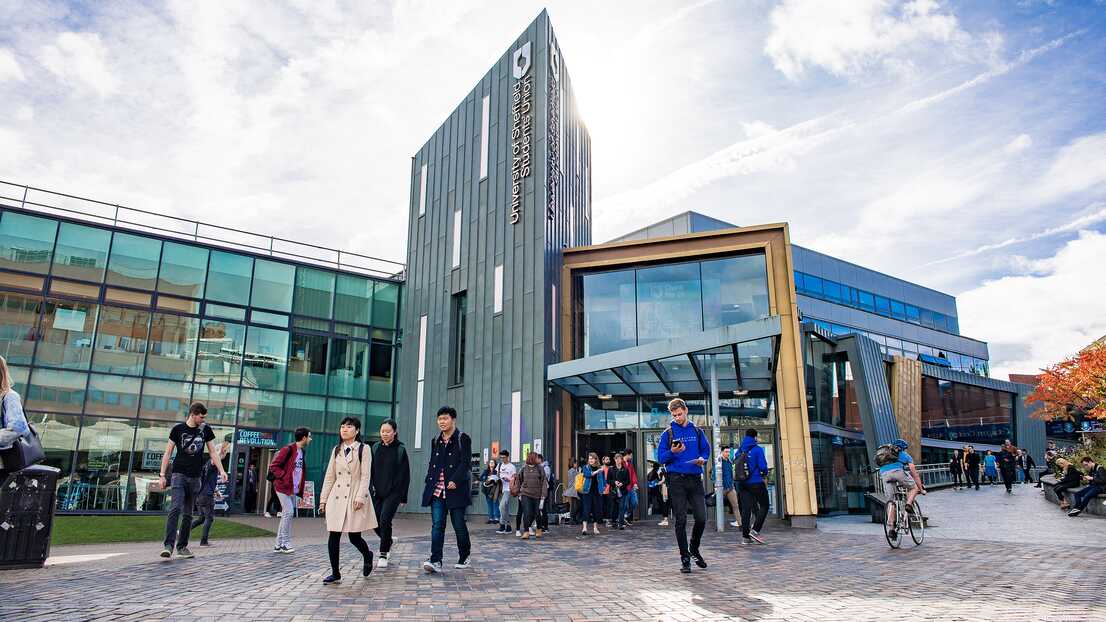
27	500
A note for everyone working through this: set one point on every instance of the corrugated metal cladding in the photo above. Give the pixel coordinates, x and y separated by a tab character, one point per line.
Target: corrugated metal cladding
504	352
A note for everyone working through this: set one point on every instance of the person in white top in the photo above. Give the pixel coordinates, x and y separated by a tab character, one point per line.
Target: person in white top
505	474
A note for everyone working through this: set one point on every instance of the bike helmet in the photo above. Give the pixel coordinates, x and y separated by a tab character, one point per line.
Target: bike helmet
901	444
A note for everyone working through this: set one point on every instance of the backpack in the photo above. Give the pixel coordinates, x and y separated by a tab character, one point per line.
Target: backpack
742	473
887	454
516	484
579	483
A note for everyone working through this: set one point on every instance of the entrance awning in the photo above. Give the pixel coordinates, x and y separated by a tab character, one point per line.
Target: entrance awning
745	360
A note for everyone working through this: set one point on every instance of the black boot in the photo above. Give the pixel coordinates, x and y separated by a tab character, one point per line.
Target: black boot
367	570
685	565
698	557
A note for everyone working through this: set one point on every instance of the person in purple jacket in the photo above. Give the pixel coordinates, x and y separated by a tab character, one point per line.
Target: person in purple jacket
683	449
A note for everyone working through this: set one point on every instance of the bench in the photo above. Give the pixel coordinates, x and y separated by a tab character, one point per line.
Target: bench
1097	506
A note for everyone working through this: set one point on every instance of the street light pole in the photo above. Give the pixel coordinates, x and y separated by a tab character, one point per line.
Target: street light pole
716	420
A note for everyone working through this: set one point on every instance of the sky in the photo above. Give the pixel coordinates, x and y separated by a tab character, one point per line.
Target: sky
959	145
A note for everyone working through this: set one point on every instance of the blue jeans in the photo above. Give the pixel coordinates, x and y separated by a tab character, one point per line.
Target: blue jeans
438	511
493	508
623	505
1083	497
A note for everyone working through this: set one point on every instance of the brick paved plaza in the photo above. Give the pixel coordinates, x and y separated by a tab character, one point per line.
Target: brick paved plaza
842	571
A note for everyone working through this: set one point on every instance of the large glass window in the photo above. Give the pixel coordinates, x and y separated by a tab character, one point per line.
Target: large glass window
26	242
260	409
353	299
307	364
314	292
56	391
305	410
219	358
266	358
134	260
165	400
272	285
380	372
385	301
340	409
121	341
228	278
67	329
349	365
82	252
669	302
183	270
112	396
457	339
610	318
172	346
18	323
221	402
149	447
58	434
735	290
103	458
963	413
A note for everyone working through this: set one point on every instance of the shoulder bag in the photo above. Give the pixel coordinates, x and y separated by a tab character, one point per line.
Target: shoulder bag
24	451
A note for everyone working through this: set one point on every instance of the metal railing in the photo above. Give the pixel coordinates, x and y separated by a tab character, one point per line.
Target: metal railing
933	476
48	202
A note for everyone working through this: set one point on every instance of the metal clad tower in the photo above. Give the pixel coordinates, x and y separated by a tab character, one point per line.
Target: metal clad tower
496	193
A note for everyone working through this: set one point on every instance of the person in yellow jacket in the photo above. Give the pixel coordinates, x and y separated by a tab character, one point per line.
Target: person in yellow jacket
345	498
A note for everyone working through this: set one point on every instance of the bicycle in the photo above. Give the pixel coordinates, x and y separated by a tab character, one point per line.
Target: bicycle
904	520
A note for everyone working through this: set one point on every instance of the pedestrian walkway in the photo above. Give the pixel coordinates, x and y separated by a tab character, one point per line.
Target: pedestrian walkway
990	514
625	575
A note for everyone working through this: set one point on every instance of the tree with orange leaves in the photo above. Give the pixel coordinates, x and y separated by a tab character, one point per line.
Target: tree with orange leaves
1075	385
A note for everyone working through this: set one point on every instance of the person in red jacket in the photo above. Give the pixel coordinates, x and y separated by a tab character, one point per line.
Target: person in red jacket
289	474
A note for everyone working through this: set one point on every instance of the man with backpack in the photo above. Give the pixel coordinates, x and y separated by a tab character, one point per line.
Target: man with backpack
683	449
750	469
728	490
188	440
288	475
894	464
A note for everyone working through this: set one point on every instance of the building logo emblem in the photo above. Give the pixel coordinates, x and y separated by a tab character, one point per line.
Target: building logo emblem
520	64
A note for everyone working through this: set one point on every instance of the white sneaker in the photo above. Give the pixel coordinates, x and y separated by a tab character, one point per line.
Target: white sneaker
663	523
531	531
518	534
279	514
382	561
465	565
735	524
268	515
595	528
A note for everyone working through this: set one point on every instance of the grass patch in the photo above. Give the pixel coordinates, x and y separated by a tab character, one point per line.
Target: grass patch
102	529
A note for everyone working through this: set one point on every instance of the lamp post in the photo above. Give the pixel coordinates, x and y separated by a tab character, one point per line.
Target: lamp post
716	421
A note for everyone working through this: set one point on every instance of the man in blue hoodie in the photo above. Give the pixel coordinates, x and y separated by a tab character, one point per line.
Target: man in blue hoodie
752	491
683	449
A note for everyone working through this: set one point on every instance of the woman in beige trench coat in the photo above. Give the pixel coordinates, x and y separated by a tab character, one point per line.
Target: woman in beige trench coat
345	496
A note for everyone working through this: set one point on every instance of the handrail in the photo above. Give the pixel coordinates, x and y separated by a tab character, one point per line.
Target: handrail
128	218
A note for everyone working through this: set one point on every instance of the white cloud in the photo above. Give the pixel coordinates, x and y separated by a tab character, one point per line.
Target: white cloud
80	58
1034	320
13	149
849	37
1019	144
9	67
1079	166
24	113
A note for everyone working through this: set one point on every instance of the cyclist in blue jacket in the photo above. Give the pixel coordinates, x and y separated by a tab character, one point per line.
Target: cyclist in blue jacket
683	449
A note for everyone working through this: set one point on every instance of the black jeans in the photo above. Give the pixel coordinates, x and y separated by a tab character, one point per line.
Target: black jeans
591	500
205	504
1028	473
973	477
1008	478
957	479
750	497
438	511
386	508
529	511
184	491
684	491
355	539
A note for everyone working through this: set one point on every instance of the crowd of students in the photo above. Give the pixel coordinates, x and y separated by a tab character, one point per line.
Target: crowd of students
969	466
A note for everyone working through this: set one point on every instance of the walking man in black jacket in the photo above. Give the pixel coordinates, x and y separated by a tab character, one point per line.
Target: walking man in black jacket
446	489
391	476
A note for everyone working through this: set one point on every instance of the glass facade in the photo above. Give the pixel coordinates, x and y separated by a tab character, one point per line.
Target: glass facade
894	346
635	306
839	293
110	335
952	411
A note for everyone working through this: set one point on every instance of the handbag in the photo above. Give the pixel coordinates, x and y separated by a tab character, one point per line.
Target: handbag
24	452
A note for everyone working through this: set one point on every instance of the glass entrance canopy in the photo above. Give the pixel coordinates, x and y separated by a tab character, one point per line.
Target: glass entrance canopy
744	357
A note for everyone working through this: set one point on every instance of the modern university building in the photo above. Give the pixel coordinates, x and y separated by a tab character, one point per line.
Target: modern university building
505	309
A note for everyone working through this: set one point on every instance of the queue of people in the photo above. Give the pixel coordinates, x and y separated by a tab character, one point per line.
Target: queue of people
1011	464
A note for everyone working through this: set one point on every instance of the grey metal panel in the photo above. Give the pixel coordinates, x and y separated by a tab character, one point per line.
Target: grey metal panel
873	395
944	373
1029	432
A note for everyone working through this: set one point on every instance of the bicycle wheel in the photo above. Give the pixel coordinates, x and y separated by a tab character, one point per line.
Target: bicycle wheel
916	524
894	537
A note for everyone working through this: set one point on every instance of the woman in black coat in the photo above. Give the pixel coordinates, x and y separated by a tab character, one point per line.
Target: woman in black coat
1071	478
956	468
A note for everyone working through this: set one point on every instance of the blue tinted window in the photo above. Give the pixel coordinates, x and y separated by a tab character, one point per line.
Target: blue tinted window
813	285
866	300
927	318
898	310
798	281
134	260
883	306
912	314
669	302
27	242
831	290
735	290
954	326
610	320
